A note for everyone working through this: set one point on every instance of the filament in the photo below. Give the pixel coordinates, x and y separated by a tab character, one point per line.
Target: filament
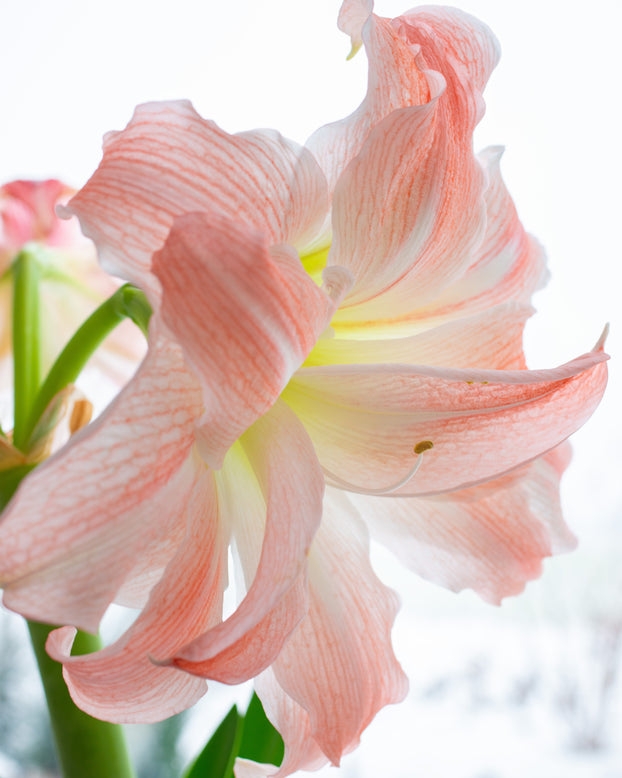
422	446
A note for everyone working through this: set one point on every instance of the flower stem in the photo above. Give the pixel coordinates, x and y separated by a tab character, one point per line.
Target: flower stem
26	341
126	302
85	746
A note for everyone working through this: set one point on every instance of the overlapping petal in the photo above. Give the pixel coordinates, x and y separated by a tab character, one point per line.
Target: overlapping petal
244	361
121	682
102	501
290	484
491	338
490	538
169	161
365	420
331	679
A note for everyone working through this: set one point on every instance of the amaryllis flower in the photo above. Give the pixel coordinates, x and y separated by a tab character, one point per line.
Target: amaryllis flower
72	285
348	313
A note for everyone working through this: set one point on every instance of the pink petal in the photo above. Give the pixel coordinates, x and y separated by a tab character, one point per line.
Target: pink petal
292	721
169	161
490	538
352	17
396	77
365	420
408	211
290	482
509	264
394	81
121	682
338	666
27	211
246	318
72	533
488	339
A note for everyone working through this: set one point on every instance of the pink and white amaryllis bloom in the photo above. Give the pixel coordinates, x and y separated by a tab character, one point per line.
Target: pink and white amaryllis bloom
73	284
346	313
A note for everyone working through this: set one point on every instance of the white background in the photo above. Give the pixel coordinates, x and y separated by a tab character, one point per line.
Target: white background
70	71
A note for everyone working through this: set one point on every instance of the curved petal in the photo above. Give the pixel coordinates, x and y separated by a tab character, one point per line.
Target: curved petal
509	265
489	538
352	17
488	339
121	682
27	213
292	721
398	55
281	456
169	161
408	210
365	420
338	666
246	319
71	534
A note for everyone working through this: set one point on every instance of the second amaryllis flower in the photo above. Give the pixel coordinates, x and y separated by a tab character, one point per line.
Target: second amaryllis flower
322	314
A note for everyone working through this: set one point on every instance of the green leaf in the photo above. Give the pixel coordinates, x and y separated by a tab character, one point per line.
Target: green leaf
218	757
10	480
261	742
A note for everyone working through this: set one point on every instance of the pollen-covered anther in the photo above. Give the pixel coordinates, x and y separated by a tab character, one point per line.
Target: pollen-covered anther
419	448
81	415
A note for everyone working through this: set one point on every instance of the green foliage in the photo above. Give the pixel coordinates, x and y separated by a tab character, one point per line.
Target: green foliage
251	736
217	758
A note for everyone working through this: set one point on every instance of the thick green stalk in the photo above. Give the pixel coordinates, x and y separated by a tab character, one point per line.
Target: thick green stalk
126	302
26	341
85	746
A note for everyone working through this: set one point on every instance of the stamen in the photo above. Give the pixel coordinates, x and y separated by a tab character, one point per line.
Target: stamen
423	445
81	414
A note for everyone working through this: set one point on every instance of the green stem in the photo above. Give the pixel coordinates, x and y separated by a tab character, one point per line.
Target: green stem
26	341
85	746
126	302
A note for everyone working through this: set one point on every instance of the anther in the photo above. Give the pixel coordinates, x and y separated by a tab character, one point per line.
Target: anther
419	448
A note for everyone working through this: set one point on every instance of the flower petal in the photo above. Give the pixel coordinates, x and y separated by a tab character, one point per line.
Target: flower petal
338	666
121	683
365	420
509	265
246	319
352	17
408	211
169	161
491	338
290	481
490	538
72	532
399	51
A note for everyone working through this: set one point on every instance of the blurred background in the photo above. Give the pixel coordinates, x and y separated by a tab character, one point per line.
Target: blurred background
531	688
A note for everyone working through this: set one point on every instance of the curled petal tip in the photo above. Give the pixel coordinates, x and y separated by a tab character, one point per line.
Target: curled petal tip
355	48
600	343
352	18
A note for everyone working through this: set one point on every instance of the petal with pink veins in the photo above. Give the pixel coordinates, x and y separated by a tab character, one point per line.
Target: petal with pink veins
491	338
102	501
366	421
169	161
290	485
246	326
509	265
338	667
408	210
397	77
352	17
490	538
121	683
